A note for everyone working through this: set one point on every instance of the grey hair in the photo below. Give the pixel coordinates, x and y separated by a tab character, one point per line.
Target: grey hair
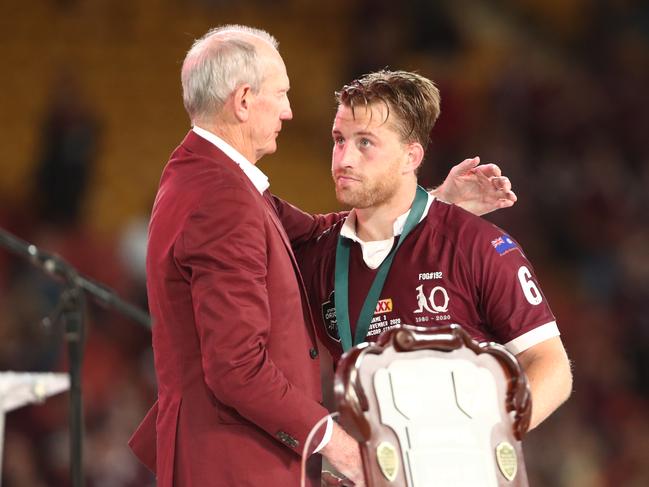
217	64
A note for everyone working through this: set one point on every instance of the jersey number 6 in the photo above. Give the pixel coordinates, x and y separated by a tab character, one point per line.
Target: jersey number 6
531	292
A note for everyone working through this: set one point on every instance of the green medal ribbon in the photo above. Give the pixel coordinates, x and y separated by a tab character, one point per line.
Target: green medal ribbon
341	279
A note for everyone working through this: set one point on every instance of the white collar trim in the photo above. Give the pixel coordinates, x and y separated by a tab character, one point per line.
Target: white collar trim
348	229
256	176
375	252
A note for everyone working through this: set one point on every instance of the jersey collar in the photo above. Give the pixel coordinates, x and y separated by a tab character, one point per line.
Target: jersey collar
348	229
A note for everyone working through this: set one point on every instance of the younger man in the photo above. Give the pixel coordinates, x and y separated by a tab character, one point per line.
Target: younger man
448	267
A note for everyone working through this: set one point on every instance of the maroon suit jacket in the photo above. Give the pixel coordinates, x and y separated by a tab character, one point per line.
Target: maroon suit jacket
235	352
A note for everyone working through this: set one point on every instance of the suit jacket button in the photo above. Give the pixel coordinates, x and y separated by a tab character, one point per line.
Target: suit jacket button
313	353
288	439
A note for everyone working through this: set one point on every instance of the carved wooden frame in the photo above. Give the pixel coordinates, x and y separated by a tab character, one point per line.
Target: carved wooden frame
359	407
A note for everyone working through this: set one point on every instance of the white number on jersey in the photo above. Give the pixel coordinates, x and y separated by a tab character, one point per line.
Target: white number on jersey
531	292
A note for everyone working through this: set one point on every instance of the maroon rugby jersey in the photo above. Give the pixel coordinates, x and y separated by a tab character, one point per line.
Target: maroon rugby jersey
454	267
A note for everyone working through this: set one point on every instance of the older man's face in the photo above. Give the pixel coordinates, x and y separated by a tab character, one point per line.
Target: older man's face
271	108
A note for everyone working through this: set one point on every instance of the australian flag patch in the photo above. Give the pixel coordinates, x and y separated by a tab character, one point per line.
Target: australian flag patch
503	244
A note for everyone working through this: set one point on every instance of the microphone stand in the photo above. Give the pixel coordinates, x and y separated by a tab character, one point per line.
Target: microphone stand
71	310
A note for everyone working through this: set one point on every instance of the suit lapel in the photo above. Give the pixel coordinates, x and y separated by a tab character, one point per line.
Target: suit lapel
272	211
197	144
303	294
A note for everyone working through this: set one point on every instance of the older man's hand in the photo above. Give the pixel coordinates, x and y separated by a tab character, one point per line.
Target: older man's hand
331	480
343	453
477	188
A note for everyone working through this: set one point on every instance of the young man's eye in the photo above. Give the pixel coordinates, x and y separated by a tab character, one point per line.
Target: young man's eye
339	140
365	142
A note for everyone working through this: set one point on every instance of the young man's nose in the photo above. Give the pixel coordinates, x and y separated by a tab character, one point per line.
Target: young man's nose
347	156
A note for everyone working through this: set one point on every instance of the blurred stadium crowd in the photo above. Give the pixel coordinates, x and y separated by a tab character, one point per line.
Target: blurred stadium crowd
555	92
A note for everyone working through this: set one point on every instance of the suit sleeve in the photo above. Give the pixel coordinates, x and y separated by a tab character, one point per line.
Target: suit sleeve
300	226
223	247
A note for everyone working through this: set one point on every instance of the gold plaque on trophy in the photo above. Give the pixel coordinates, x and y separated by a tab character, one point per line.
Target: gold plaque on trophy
386	455
506	458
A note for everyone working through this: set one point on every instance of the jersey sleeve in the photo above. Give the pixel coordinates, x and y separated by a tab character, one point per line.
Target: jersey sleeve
511	299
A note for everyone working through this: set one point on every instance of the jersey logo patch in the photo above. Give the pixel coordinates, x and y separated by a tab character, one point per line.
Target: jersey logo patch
329	318
436	302
503	244
383	306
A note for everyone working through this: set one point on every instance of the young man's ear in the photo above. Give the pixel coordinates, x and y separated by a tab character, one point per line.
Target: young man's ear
241	102
415	156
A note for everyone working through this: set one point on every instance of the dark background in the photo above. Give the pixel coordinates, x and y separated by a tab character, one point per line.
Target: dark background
554	91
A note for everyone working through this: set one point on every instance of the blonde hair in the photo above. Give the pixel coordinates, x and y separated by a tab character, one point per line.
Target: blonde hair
413	100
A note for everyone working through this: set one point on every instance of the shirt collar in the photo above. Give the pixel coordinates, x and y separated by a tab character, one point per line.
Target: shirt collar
256	176
348	229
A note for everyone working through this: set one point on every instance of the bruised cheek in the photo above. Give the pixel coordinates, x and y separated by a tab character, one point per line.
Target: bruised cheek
368	161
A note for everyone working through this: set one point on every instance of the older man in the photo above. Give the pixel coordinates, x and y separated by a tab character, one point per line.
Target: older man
235	351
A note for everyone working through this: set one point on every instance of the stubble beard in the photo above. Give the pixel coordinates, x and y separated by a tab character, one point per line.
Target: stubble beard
368	194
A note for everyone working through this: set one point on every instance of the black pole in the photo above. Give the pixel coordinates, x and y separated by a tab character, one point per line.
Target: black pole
56	266
72	312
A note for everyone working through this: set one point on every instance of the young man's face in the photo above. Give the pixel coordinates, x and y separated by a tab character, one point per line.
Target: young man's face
368	158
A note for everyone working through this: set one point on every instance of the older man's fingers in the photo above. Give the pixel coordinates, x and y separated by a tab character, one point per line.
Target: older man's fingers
501	183
331	480
465	166
505	203
489	170
508	199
